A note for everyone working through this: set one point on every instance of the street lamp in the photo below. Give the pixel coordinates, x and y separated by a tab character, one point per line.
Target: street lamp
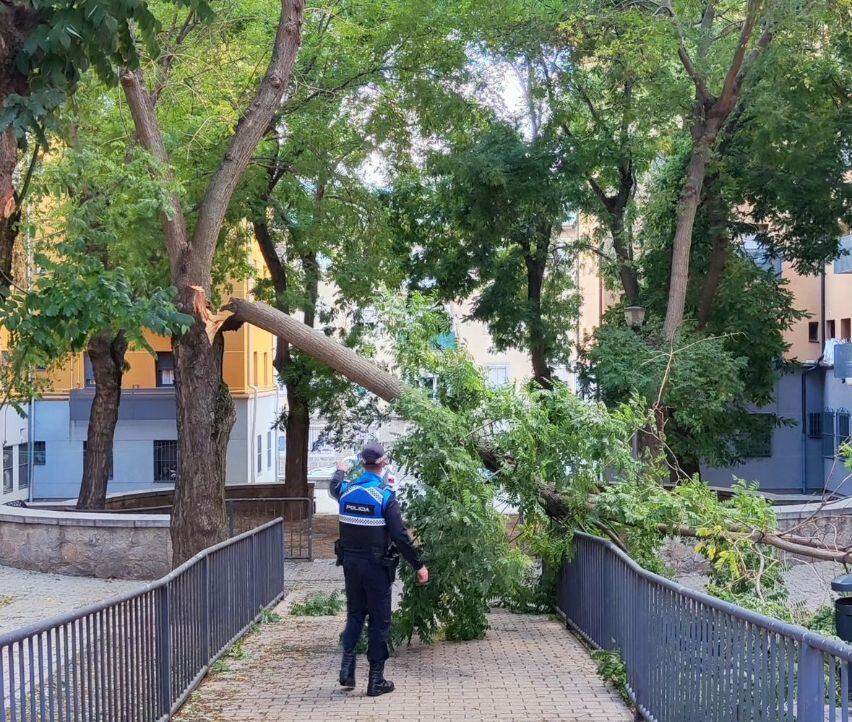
635	316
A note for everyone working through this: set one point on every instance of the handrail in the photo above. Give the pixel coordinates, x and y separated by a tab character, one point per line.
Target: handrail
692	657
141	653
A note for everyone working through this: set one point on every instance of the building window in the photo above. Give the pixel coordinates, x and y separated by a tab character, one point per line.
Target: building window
828	434
7	469
846	329
266	369
88	372
165	461
815	425
756	441
39	453
813	332
497	375
109	476
268	449
259	453
23	466
829	329
842	428
165	366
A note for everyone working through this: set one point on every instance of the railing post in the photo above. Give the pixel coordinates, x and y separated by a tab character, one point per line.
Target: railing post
205	602
255	577
164	648
809	692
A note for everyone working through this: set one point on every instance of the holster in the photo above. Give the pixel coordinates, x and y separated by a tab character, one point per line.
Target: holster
389	559
338	553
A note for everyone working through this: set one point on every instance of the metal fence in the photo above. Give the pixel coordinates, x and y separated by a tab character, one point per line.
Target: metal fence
298	515
693	658
138	656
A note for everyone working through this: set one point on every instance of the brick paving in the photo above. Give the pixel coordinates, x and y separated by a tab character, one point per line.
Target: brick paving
528	668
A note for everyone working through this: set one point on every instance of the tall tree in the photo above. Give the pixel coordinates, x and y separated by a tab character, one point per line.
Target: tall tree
361	79
486	221
205	411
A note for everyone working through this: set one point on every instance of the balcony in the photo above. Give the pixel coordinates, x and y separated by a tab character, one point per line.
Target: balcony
136	404
844	263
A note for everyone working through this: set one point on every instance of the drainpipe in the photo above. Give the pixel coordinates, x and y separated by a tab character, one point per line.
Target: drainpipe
253	459
805	373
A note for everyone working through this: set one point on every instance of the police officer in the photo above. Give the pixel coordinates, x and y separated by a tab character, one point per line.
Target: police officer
370	521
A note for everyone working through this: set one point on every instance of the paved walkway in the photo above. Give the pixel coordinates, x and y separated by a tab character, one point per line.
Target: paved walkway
527	668
29	597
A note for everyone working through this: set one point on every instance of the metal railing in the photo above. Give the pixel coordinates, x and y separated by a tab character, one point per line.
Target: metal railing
693	658
298	515
138	656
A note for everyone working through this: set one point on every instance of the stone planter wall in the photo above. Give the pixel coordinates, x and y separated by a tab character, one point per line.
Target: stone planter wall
109	546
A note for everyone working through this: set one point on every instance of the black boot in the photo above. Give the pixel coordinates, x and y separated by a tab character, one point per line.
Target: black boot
347	670
377	683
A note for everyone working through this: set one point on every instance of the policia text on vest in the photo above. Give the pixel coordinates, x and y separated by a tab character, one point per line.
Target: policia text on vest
371	532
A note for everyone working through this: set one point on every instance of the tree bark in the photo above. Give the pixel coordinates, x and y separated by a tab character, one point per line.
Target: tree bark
316	345
9	212
536	261
205	417
106	353
297	444
718	252
17	21
690	197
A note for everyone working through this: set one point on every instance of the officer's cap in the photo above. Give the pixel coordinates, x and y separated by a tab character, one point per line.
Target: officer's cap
372	453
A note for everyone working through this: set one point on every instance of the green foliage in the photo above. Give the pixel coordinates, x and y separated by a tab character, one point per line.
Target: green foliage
484	221
822	621
98	267
612	669
319	604
62	40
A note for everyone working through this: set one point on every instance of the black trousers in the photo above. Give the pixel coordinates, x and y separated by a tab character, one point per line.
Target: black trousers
368	594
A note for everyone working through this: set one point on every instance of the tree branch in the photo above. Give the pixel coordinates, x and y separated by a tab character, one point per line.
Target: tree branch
694	74
249	131
151	138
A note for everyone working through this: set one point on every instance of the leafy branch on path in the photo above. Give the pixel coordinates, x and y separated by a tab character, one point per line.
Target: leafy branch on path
555	503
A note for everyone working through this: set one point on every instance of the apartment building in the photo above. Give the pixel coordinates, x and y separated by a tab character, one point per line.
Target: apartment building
14	442
817	397
145	445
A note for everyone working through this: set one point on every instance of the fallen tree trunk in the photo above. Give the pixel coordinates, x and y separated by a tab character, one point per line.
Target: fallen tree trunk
384	384
315	344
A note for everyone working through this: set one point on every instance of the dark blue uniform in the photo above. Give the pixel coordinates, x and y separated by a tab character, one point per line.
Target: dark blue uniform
370	521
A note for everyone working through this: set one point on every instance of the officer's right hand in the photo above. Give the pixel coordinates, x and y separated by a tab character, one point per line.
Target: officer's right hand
422	575
342	466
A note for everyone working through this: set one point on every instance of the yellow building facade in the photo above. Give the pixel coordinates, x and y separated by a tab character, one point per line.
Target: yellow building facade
145	445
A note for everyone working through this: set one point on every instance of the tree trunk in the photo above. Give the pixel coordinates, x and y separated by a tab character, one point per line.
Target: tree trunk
690	197
535	261
298	442
718	252
318	346
205	417
9	212
205	410
107	356
298	405
17	21
626	272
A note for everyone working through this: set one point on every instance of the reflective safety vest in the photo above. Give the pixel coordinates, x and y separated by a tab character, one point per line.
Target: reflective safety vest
363	501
